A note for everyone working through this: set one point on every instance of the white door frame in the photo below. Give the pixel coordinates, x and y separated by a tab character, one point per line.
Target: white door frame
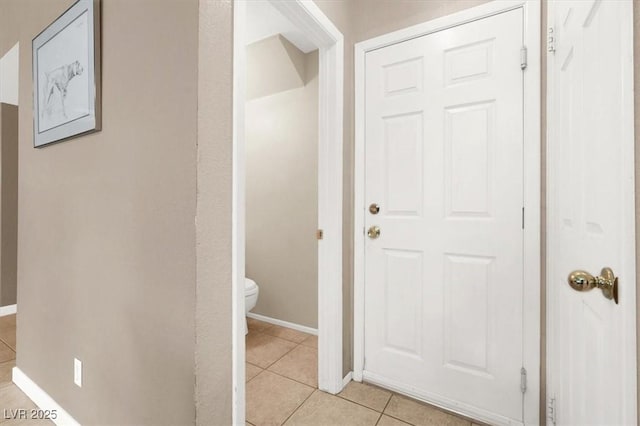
531	168
627	292
321	31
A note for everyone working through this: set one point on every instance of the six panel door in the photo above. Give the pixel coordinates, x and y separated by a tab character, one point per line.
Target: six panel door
444	153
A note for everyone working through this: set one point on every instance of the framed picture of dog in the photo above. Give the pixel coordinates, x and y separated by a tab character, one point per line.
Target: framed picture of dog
66	75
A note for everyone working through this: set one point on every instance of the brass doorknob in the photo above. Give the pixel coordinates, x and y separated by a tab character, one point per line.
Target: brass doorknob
606	281
373	232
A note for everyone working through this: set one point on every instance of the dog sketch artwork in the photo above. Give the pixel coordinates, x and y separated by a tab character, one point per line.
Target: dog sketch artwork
56	88
62	81
64	72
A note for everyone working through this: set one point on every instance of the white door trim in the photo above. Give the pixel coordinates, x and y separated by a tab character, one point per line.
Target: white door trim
627	292
321	31
532	172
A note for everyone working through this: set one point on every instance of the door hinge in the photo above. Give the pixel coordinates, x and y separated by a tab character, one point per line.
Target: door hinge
523	380
551	410
551	40
523	58
523	218
319	234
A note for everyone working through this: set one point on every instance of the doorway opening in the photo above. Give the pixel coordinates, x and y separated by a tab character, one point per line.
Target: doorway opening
310	25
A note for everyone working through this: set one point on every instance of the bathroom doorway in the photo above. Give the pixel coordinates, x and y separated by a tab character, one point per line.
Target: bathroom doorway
281	172
287	315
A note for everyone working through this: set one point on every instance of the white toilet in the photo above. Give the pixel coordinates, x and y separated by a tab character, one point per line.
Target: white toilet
251	291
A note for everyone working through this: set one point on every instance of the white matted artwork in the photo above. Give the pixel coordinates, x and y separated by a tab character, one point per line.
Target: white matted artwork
66	75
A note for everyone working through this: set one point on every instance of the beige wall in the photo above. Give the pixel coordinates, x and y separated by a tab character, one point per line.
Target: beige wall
274	65
282	179
372	18
8	25
213	352
8	203
106	230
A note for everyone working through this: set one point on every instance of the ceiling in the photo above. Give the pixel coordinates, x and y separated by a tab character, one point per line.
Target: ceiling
264	20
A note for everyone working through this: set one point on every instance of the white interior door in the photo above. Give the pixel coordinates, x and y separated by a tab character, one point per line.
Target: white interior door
591	362
444	155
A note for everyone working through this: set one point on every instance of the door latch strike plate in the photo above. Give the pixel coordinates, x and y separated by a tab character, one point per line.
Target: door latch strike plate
319	234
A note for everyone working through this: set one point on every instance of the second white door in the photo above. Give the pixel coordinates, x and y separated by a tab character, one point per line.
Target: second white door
444	157
591	360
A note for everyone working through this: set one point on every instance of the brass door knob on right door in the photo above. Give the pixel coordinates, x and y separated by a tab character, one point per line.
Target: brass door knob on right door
373	232
606	281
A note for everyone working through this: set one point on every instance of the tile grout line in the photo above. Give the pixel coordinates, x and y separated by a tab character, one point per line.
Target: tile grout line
286	377
274	325
294	380
388	401
379	418
429	406
278	337
398	419
6	344
389	415
283	355
299	406
255	365
358	403
298	344
274	362
425	404
314	389
417	401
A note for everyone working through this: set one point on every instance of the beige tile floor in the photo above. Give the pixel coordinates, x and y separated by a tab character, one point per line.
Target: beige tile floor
11	397
282	389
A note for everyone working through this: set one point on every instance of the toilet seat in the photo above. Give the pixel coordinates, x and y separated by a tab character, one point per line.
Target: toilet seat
250	287
251	291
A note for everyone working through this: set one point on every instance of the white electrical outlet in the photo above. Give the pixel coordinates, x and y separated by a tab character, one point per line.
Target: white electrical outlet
77	372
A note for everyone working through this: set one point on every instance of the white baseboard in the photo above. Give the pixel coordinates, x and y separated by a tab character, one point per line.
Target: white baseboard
282	323
8	310
42	399
347	379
